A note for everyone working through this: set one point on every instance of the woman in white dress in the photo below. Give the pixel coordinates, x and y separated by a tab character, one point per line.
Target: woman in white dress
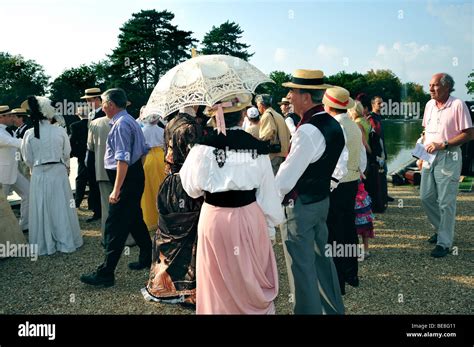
236	267
54	225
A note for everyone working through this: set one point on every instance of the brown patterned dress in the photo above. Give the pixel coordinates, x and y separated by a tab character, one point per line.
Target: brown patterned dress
172	273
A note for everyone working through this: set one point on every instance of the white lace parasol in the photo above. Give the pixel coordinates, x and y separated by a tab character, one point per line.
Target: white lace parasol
203	80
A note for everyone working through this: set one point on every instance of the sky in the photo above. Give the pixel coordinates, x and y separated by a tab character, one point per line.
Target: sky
414	39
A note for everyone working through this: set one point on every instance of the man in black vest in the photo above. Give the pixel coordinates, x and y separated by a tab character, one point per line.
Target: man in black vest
20	121
92	96
316	162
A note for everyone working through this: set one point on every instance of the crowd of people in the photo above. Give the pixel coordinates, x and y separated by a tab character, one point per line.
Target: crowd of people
216	193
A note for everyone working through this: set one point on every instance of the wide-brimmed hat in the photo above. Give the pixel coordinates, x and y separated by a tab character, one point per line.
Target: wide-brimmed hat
19	112
92	93
284	101
338	97
233	103
307	79
4	109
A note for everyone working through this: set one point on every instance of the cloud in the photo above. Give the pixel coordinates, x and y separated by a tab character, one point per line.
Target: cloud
280	55
415	62
326	52
457	18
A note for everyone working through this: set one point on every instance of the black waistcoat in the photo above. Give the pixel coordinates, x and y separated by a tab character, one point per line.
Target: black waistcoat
314	184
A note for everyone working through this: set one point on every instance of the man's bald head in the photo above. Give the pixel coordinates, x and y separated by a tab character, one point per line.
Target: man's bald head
441	86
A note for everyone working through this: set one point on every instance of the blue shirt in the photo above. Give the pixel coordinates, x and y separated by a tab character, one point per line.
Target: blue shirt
125	141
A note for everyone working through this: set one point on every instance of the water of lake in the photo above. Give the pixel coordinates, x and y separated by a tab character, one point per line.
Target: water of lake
400	139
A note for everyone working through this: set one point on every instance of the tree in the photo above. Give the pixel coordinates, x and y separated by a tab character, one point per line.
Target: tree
383	83
276	90
70	85
470	84
354	82
224	40
149	45
20	78
415	94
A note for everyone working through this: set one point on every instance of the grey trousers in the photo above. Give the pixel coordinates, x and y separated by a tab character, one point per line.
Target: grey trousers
105	188
438	191
276	162
22	188
314	284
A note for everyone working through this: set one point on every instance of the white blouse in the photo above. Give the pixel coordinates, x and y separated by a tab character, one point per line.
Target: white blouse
52	147
154	135
201	172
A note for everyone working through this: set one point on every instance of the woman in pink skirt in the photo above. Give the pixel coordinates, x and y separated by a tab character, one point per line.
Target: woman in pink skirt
236	269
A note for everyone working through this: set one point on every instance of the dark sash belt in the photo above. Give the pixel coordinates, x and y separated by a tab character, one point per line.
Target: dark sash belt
231	198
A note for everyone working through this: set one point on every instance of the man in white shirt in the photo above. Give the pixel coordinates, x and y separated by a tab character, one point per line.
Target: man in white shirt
10	178
317	161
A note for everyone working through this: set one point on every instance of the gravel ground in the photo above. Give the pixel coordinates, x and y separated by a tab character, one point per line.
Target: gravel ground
400	278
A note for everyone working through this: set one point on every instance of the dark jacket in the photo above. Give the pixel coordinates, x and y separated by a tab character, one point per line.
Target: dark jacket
78	139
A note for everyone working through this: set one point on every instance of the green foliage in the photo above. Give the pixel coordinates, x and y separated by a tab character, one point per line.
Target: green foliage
149	45
470	84
70	85
224	40
354	82
20	78
275	89
383	83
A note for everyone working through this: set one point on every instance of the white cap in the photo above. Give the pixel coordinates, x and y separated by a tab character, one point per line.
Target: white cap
252	112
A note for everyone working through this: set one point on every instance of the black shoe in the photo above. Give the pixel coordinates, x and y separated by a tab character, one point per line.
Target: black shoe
96	280
93	218
354	281
138	266
439	252
433	238
390	199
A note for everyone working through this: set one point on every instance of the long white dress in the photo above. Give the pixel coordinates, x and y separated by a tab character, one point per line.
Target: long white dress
54	225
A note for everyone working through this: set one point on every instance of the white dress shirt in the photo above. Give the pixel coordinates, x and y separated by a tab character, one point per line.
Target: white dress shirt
307	146
8	157
291	125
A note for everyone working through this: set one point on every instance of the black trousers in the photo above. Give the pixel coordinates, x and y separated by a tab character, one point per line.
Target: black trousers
126	217
81	181
342	230
93	201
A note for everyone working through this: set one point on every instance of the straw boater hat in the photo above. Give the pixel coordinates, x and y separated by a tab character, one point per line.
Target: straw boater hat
338	97
307	79
92	93
284	101
19	112
4	109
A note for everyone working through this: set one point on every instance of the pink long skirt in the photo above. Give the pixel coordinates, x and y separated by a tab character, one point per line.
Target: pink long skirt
236	270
